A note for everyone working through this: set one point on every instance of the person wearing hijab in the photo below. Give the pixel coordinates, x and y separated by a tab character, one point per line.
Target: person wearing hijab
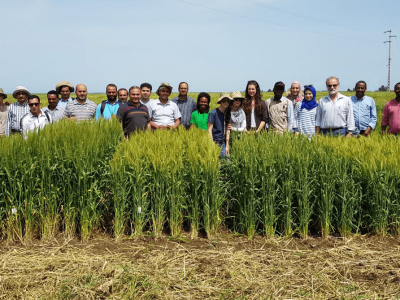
305	113
295	94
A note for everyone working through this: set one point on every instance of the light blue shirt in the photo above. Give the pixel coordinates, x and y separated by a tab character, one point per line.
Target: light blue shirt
109	110
364	110
63	104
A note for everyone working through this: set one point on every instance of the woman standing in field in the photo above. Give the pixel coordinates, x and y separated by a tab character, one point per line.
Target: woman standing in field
238	117
254	107
199	117
305	113
218	119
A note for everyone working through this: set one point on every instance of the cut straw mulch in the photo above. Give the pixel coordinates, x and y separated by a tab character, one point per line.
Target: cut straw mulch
228	267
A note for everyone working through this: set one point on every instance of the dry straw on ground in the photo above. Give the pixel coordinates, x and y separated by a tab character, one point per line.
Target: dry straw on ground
225	268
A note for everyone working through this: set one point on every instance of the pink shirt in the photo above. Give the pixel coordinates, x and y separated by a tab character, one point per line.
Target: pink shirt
391	116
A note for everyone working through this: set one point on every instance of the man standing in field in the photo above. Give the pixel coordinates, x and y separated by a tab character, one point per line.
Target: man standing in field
164	113
17	110
53	109
335	112
186	104
123	95
133	115
35	119
145	90
80	108
391	114
64	88
364	110
280	110
109	107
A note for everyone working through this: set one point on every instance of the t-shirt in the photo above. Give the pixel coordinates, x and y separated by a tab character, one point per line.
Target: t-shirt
133	118
199	119
217	118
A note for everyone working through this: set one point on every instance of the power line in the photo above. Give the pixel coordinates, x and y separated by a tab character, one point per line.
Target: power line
282	25
308	17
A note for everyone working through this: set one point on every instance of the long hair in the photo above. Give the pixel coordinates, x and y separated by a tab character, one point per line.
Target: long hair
201	95
257	96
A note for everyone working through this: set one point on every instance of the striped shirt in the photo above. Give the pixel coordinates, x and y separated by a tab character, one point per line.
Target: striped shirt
30	122
56	114
15	113
304	120
79	111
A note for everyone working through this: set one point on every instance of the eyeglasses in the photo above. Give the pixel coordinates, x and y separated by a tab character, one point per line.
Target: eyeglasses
224	100
34	104
331	85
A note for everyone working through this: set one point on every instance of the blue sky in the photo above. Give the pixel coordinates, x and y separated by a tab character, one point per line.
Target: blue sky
213	45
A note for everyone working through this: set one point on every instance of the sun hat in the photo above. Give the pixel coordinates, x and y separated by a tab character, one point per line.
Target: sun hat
2	93
21	88
166	85
64	83
237	95
224	95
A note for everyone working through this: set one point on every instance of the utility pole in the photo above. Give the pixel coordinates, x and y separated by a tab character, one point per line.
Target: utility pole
390	44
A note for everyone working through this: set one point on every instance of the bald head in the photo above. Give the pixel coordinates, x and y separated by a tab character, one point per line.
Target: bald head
81	92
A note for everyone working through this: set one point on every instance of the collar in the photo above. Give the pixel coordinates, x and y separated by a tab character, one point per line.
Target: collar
159	102
108	102
131	104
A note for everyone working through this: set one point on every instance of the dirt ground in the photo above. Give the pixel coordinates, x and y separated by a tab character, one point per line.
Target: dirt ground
227	267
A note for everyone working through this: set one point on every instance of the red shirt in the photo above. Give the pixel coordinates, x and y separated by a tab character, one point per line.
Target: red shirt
391	116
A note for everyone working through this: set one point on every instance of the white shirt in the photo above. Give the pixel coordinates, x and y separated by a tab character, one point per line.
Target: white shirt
335	114
147	104
29	122
164	114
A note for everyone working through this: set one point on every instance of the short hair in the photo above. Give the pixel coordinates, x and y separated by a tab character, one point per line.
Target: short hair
111	85
146	84
122	89
34	97
179	86
206	95
361	81
133	88
396	85
52	92
332	77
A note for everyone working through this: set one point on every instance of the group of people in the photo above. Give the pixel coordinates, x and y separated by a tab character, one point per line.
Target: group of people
298	112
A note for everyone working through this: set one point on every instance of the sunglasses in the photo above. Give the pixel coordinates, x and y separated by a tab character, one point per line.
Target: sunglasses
34	104
224	100
331	85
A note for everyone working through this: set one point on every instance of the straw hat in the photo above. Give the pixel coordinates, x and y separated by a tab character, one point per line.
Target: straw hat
64	83
21	88
2	93
237	95
224	95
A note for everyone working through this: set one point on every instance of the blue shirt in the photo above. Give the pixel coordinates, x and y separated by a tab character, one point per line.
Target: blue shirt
109	110
364	110
63	104
186	108
217	118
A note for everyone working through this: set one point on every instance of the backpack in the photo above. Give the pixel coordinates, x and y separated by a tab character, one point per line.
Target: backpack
102	107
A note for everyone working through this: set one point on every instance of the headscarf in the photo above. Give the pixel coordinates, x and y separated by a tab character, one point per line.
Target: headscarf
312	103
299	96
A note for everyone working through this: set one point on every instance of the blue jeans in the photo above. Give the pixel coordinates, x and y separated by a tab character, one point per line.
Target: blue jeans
223	148
334	131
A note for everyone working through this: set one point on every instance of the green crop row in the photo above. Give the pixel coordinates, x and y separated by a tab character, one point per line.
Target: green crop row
81	178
